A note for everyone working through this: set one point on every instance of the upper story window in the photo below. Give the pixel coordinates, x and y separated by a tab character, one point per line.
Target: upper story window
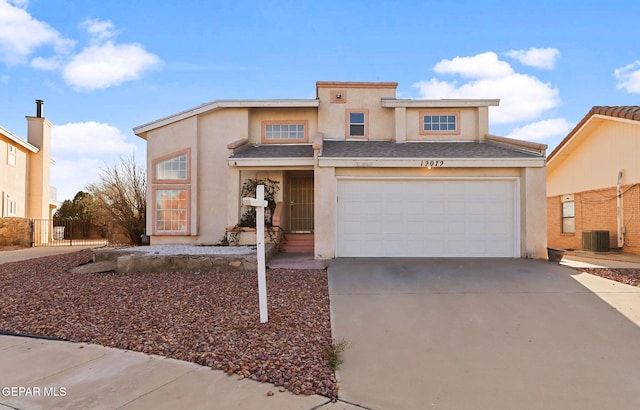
439	123
174	168
285	131
357	123
11	155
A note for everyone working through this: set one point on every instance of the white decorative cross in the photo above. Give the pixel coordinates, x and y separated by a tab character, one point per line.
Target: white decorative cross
260	204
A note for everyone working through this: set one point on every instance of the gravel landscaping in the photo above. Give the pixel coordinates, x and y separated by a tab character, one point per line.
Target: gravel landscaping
207	318
627	276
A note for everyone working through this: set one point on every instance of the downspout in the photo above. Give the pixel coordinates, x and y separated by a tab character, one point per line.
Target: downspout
621	229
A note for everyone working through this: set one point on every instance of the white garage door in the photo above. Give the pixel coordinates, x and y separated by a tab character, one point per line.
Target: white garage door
427	218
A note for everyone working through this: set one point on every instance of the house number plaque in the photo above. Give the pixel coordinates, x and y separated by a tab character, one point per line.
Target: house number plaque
432	163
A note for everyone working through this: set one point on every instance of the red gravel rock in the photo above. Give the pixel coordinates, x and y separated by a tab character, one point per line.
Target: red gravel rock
627	276
207	318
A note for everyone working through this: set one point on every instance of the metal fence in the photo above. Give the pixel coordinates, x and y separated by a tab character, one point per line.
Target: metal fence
65	232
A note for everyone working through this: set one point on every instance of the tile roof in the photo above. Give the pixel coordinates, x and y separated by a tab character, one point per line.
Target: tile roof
629	112
420	149
273	151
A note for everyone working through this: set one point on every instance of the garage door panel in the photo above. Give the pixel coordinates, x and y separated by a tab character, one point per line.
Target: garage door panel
389	217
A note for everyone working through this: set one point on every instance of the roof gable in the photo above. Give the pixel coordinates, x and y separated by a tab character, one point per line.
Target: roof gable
620	112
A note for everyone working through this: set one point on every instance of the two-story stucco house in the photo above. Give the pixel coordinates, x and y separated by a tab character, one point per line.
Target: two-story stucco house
370	175
24	170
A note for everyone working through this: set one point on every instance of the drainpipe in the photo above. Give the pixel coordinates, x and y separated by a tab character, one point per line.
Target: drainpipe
621	228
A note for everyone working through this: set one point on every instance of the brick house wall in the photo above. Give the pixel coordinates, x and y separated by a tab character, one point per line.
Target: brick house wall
596	210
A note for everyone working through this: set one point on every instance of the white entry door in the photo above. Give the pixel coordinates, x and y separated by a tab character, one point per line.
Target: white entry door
428	218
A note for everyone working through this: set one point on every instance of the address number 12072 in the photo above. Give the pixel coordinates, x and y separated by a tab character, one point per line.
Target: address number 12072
432	163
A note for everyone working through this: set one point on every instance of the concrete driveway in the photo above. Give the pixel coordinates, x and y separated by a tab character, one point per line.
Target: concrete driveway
479	334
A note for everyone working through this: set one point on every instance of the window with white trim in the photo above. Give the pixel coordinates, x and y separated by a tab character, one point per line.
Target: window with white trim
439	123
171	210
173	168
284	132
10	206
171	190
569	217
357	123
12	151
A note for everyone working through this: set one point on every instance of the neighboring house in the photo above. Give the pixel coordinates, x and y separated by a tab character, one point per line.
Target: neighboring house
367	173
24	170
592	182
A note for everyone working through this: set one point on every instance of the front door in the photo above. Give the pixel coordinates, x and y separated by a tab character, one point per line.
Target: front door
301	203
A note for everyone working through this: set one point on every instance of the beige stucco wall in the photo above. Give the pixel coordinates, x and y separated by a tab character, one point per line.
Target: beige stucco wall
332	115
161	143
593	160
258	115
211	179
13	179
469	124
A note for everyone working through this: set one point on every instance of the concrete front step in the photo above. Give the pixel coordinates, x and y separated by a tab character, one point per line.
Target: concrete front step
298	243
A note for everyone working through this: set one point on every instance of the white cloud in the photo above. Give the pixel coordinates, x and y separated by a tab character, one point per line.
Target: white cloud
104	63
542	130
629	77
70	175
483	65
522	97
544	58
100	30
21	34
49	64
88	138
103	66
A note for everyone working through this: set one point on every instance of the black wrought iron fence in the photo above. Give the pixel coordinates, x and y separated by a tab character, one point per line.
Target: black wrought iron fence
66	232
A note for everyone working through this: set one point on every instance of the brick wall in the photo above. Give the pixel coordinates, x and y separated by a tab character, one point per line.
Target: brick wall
596	210
15	232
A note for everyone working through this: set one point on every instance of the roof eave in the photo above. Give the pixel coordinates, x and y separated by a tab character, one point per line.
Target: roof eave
271	162
219	104
13	137
444	103
378	162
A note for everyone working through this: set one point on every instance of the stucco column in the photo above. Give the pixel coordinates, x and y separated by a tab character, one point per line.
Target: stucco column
401	124
534	204
233	196
324	212
39	134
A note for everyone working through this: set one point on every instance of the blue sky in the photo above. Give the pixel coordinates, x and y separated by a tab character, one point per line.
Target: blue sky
104	67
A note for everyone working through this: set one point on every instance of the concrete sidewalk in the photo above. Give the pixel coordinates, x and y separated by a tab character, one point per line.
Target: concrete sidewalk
623	298
38	252
44	374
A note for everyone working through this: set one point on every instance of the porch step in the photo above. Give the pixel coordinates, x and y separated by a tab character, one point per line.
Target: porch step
297	243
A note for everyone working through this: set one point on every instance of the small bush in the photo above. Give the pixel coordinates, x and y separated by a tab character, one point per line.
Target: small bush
333	353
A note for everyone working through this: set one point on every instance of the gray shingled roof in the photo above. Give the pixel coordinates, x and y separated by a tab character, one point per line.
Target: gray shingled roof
273	151
421	149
